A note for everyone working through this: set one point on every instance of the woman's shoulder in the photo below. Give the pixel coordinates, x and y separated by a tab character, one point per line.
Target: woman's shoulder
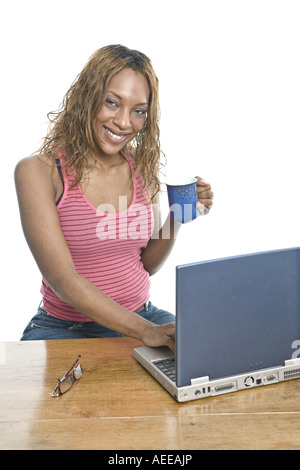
36	162
35	166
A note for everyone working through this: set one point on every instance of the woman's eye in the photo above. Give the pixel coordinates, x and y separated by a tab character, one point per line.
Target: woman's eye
111	103
140	112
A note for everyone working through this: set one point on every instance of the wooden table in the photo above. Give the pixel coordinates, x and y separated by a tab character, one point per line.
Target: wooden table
118	405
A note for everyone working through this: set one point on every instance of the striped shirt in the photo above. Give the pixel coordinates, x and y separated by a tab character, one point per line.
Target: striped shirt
105	247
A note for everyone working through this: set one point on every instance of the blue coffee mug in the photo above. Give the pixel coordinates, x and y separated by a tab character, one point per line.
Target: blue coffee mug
182	200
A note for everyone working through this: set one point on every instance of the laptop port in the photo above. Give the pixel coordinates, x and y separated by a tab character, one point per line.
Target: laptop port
249	381
224	388
270	378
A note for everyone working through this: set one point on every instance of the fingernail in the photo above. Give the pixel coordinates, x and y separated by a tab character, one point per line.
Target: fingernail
203	182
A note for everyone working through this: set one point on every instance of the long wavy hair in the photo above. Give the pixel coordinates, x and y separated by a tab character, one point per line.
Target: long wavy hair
72	126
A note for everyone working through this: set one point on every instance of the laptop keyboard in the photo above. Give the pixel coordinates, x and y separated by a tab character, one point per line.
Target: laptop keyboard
167	366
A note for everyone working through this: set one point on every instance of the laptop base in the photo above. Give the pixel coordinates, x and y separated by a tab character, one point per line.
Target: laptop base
202	387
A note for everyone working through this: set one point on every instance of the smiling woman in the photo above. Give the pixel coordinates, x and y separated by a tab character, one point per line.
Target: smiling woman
123	114
102	149
95	90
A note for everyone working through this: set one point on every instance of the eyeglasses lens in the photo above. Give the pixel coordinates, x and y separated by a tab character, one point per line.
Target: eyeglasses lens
77	372
66	384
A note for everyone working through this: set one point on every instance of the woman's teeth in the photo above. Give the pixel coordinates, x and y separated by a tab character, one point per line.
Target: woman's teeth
119	137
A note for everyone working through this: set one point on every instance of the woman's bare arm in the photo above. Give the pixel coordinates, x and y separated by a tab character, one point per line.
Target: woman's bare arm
41	226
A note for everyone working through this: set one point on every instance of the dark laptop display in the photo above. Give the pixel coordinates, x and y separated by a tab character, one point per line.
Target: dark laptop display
236	314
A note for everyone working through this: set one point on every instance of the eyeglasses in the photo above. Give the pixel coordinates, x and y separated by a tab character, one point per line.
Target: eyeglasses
65	383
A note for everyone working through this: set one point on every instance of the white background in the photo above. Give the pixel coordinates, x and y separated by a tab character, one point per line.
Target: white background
230	101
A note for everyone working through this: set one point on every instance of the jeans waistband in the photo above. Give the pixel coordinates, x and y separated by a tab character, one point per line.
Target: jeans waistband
146	306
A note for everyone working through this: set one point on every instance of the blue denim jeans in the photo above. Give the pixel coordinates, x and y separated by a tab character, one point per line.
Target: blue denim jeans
44	326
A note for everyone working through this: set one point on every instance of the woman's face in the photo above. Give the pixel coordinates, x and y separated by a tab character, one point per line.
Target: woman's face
124	111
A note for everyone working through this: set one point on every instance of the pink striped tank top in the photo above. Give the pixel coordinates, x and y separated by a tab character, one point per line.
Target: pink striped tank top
105	247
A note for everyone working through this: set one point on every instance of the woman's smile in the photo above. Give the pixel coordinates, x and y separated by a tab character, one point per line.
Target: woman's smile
115	135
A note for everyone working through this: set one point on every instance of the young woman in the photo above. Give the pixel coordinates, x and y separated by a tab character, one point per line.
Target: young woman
86	203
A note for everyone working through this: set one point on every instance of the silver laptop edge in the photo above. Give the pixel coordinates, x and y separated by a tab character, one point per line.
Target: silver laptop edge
203	387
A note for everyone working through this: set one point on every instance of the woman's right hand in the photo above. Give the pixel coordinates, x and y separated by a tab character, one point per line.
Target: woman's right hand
160	335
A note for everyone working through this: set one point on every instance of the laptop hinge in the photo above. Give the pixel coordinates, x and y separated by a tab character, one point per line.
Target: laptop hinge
292	362
200	380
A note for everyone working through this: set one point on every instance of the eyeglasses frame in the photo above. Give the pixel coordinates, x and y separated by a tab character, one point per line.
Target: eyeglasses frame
67	375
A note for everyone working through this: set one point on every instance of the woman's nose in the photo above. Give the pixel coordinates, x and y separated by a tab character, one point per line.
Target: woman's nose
122	118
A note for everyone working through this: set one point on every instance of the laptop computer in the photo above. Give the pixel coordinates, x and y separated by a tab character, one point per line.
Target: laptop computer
237	326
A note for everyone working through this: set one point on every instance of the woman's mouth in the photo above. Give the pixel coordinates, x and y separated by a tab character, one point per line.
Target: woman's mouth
116	137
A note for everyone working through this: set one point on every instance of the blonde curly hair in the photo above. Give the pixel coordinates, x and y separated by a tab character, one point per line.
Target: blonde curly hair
72	126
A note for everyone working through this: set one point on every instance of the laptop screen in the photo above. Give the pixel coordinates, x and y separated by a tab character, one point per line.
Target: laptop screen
236	315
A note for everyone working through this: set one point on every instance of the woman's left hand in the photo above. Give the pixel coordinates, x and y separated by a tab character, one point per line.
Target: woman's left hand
205	196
